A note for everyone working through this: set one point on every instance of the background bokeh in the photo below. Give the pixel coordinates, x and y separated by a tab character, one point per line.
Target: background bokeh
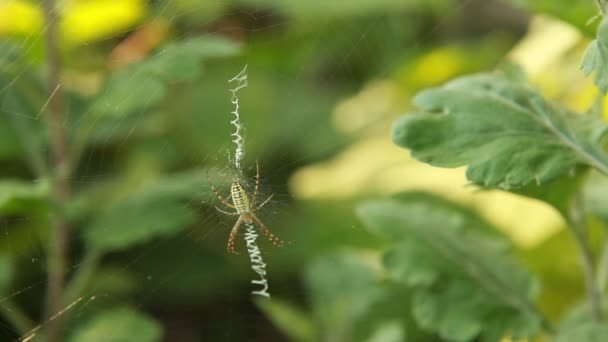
147	104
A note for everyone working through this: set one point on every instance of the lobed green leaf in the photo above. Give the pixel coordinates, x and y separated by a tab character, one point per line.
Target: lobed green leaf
596	57
506	132
463	276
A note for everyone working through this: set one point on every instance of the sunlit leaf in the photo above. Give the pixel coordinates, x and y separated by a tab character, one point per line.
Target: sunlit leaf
118	325
507	134
456	263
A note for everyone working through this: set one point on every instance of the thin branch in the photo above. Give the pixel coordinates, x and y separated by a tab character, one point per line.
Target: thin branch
578	227
58	249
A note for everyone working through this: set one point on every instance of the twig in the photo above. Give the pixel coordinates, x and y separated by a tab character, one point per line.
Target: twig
578	226
58	248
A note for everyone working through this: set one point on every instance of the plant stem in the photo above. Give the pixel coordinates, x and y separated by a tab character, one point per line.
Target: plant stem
58	249
578	226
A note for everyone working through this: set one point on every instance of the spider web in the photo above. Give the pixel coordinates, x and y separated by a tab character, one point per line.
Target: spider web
305	61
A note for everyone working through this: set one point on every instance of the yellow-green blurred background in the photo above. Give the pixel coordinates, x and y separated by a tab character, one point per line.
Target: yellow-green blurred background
326	80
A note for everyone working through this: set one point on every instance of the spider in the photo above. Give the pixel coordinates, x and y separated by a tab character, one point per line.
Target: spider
245	208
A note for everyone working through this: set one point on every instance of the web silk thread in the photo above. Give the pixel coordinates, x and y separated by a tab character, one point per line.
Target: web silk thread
257	264
238	140
255	256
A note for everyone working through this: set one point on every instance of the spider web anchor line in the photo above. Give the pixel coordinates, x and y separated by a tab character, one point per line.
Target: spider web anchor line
238	140
257	263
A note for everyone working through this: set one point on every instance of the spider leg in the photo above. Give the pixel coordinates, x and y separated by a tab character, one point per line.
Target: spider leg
233	232
263	203
257	183
217	194
275	240
226	212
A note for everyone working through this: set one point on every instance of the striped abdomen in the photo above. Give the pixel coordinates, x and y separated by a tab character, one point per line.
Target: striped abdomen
239	197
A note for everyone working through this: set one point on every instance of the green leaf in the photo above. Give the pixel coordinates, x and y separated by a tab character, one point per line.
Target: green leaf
343	289
118	325
388	332
13	193
7	272
507	134
137	220
128	92
297	325
181	61
584	332
447	255
144	84
596	57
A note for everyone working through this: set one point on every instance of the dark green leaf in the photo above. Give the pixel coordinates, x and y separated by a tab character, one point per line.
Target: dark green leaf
596	57
507	134
118	325
7	272
137	220
446	258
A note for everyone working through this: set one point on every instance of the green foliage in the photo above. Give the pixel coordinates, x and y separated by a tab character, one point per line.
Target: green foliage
596	57
143	85
289	319
15	193
118	325
577	13
507	134
136	220
142	138
447	254
349	302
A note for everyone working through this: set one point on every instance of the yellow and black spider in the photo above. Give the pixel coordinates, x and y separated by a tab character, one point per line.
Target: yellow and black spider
245	209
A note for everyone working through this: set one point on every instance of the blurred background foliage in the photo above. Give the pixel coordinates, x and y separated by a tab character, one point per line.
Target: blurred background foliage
145	85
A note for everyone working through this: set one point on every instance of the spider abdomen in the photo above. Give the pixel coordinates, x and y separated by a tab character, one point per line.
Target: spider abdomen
239	198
